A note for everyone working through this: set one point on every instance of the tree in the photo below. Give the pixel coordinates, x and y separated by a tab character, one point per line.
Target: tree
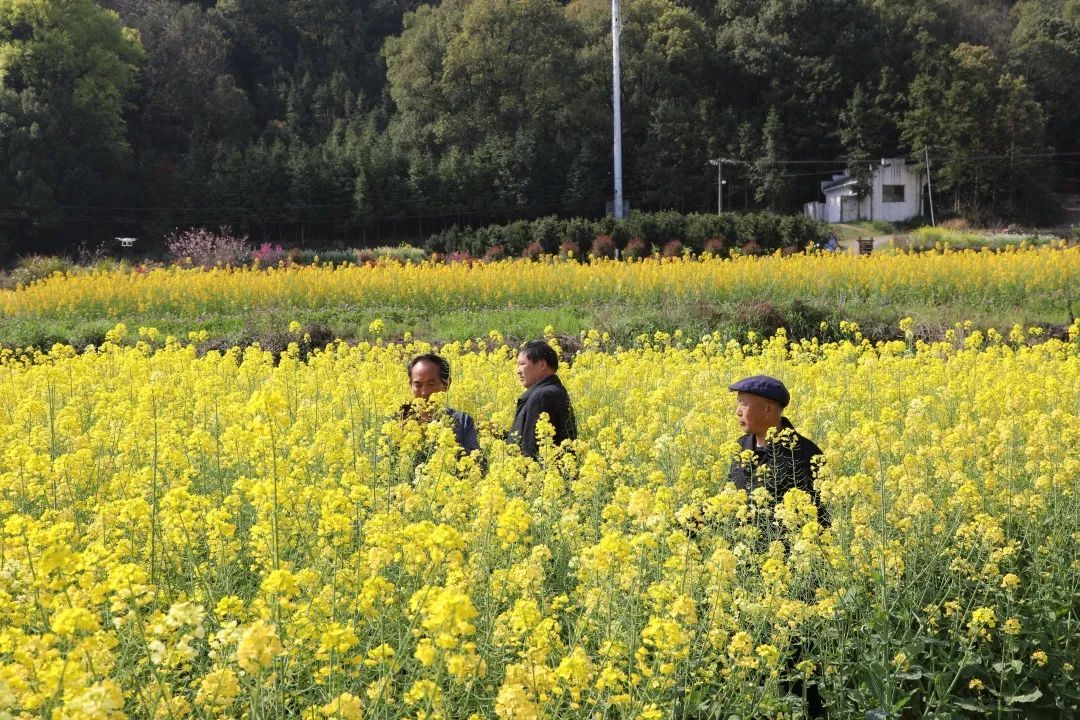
493	79
189	97
802	58
1045	50
860	129
984	125
771	185
669	115
66	69
414	72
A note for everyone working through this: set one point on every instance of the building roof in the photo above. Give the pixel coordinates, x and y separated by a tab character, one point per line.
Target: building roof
836	182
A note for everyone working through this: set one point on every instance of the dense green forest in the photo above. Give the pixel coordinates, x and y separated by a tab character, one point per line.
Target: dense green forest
352	120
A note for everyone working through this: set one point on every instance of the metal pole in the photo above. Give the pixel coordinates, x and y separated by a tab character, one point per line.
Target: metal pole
720	187
616	31
929	187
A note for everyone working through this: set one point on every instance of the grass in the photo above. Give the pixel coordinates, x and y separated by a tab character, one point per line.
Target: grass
624	323
852	231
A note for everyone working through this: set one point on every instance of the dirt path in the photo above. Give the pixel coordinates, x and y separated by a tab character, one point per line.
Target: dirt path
852	246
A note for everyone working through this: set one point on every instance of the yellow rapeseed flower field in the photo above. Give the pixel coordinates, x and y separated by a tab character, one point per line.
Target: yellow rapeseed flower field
237	535
1014	277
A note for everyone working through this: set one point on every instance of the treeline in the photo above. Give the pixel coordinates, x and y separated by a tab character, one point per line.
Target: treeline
327	118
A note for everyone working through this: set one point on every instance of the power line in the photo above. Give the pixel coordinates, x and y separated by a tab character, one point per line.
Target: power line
939	158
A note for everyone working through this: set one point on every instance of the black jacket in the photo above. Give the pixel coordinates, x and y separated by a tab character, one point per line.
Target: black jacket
547	396
464	425
775	467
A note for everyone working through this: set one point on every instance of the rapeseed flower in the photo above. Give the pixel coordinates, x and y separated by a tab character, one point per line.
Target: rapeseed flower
206	531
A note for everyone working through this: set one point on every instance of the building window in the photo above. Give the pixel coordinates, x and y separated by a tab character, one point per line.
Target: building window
892	193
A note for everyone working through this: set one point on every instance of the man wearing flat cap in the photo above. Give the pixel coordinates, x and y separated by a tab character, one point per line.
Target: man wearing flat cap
782	461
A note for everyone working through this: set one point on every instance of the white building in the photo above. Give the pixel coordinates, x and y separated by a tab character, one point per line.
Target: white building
896	194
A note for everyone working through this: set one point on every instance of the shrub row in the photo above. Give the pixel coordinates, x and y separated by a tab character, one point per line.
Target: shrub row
639	233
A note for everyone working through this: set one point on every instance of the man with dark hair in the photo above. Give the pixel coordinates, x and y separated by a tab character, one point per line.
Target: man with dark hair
537	364
429	374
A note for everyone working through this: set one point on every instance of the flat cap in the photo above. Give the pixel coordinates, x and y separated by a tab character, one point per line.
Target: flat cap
765	386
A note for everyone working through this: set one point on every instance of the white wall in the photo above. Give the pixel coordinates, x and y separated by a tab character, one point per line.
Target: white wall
895	173
873	207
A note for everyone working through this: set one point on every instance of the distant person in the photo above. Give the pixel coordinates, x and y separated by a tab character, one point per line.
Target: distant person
430	374
537	364
780	464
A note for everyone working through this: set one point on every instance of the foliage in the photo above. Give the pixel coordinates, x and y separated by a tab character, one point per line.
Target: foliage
325	119
693	230
66	70
1019	277
938	237
672	249
267	254
603	246
971	108
37	267
206	248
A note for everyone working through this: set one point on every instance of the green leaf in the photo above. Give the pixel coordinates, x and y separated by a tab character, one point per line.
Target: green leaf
972	705
1014	666
1029	697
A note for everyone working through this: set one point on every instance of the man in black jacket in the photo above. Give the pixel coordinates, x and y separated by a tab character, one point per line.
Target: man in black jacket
779	463
537	364
430	374
783	461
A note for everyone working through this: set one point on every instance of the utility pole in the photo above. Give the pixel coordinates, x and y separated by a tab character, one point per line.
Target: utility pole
719	163
616	100
929	187
617	104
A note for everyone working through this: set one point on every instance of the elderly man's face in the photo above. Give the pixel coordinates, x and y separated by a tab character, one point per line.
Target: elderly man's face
756	414
424	380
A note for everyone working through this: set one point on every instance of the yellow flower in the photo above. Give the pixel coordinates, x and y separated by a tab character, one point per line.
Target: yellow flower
423	692
70	621
345	706
983	617
258	647
651	712
215	507
101	701
218	689
768	653
383	654
425	652
280	582
740	644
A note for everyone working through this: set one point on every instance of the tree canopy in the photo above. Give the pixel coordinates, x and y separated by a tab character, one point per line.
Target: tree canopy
325	118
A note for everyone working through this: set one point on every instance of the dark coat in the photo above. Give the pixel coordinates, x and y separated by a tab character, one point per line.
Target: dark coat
464	425
464	430
546	396
777	468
